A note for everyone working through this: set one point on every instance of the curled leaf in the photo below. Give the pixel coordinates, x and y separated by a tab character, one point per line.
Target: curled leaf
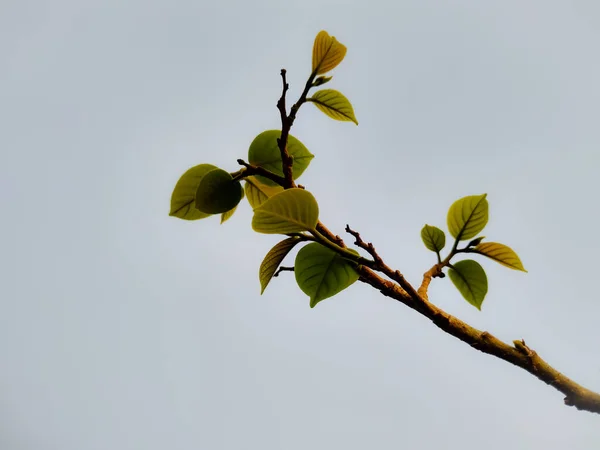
273	259
327	53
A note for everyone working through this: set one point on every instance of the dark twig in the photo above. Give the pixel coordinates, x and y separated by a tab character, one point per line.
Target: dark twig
283	269
257	170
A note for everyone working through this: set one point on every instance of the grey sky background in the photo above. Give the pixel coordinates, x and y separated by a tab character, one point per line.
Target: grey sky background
123	328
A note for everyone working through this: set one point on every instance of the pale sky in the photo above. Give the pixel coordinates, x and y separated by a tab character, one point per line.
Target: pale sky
122	328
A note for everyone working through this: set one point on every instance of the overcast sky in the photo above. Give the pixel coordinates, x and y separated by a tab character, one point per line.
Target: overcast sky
122	328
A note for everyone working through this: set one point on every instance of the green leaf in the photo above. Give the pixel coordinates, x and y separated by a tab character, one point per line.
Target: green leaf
433	238
327	53
321	272
470	279
273	259
291	211
227	215
183	198
468	216
257	193
218	192
334	104
500	253
264	152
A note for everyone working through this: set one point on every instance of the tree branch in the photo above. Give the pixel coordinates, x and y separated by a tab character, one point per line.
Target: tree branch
518	354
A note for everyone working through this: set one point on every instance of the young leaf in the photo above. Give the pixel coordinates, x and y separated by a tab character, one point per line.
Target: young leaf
321	81
327	53
471	281
183	198
273	259
500	253
433	238
218	192
334	104
468	216
290	211
257	193
264	152
321	272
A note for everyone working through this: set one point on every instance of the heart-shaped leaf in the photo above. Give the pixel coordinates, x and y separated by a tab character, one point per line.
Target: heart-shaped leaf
291	211
334	104
273	259
327	53
218	192
257	193
470	279
468	216
264	152
500	253
321	272
183	199
433	238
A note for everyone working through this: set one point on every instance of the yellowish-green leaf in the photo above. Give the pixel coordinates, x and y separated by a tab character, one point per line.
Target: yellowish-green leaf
327	53
500	253
227	215
273	259
184	195
257	193
468	216
433	238
264	152
470	279
334	104
291	211
321	272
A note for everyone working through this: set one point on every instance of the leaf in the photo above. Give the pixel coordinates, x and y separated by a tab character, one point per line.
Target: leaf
468	216
327	53
183	198
273	259
433	238
264	152
475	241
321	272
227	215
257	193
321	81
218	192
500	253
470	279
291	211
334	104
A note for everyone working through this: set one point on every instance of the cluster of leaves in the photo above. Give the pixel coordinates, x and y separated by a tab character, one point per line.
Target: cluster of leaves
467	217
322	267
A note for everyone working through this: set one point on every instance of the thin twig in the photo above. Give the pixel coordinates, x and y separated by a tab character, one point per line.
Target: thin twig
257	170
283	269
